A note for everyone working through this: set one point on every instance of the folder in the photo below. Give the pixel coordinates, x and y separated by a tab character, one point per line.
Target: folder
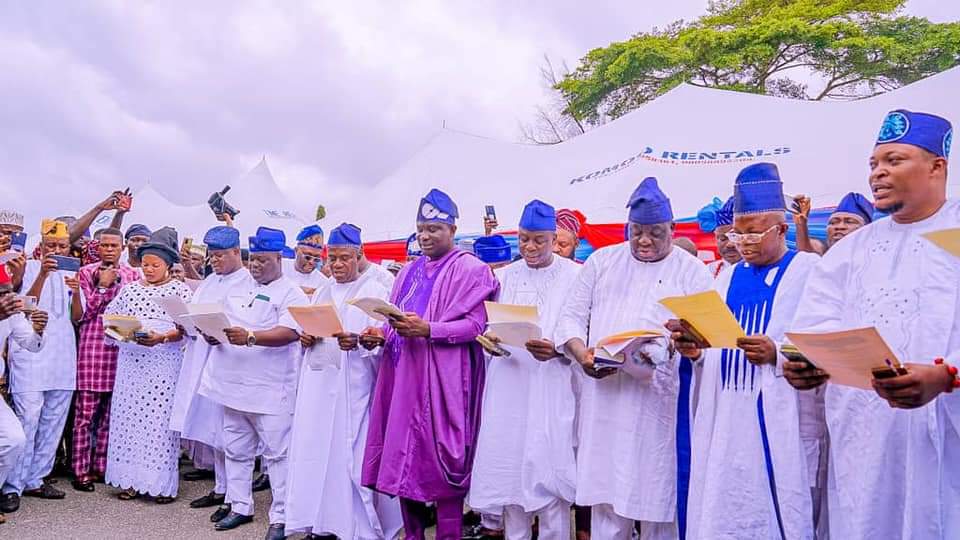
709	316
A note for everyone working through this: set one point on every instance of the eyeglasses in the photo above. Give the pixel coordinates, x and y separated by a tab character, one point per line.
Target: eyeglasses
749	238
310	258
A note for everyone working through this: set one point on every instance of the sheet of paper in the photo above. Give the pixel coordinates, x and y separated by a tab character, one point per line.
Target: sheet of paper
947	239
516	334
848	356
376	308
709	315
618	347
508	313
319	320
121	325
209	319
177	310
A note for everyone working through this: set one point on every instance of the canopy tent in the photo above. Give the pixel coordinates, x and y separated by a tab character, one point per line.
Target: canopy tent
694	140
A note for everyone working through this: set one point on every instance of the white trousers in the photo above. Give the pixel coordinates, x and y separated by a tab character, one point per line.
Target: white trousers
42	415
243	434
219	472
554	522
606	524
12	440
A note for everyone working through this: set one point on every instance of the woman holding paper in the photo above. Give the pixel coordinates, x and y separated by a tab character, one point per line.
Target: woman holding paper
143	451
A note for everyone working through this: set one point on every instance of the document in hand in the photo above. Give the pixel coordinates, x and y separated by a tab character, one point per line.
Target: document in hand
377	308
513	324
709	316
947	239
319	321
615	350
121	327
210	319
178	311
849	357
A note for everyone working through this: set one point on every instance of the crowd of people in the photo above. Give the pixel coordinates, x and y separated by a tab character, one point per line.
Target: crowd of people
405	418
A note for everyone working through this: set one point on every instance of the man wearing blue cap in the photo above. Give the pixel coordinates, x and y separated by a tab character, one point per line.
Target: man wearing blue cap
525	464
198	418
254	378
304	269
493	250
426	404
329	433
893	460
723	223
627	454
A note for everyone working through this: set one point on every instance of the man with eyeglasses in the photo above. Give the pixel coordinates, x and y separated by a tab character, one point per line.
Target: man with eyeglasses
749	476
304	270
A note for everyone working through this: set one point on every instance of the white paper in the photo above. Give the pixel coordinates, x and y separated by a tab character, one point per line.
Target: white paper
374	306
209	319
516	334
178	311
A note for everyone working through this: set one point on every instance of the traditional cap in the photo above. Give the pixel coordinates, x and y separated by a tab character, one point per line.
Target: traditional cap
758	189
927	131
9	217
288	253
200	249
725	214
437	206
70	220
856	205
570	220
492	249
648	205
137	230
222	237
268	240
51	228
163	244
346	235
715	214
413	246
311	236
538	216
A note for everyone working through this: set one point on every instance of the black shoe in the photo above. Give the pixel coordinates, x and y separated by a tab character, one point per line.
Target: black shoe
208	500
277	531
312	536
220	513
9	503
261	483
46	491
198	474
232	521
82	486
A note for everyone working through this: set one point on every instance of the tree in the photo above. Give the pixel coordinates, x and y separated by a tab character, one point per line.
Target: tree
802	49
553	122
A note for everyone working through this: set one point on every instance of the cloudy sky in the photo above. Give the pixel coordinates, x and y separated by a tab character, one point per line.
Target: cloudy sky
189	95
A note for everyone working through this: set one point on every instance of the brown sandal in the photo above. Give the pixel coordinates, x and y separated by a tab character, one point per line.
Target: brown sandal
164	500
128	495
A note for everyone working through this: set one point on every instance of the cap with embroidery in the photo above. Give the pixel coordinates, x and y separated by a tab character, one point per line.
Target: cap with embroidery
928	131
439	207
758	189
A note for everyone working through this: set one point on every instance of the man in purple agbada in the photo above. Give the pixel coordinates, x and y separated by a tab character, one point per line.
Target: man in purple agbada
425	413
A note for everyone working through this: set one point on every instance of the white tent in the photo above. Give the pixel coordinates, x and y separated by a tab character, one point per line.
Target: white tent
694	140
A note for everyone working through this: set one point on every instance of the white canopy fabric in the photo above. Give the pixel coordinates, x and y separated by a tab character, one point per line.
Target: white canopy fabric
694	140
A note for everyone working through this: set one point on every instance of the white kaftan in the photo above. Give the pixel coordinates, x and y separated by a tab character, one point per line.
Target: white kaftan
312	280
330	431
627	427
143	451
380	274
731	494
525	455
12	438
893	473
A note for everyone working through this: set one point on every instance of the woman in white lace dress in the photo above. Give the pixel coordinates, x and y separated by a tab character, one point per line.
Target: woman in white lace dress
143	452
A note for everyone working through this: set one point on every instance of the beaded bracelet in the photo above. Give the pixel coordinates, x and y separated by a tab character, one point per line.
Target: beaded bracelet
952	370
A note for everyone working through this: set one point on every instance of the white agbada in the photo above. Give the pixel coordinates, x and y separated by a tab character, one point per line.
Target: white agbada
525	455
12	439
893	473
380	274
330	432
312	280
627	427
730	489
196	417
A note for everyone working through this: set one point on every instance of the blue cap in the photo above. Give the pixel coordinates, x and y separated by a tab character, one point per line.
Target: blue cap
346	235
311	236
758	189
413	246
288	253
716	214
725	215
268	240
856	205
538	216
137	230
222	237
930	132
439	207
492	249
648	205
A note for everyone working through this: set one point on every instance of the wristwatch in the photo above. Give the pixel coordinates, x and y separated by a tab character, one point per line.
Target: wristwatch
251	338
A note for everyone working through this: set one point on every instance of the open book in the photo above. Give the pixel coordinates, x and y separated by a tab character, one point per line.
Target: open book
513	324
377	308
121	327
614	351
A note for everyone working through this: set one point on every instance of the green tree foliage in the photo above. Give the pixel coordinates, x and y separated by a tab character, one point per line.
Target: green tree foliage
802	49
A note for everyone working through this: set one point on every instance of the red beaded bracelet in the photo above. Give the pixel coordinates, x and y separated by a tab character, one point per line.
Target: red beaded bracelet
952	370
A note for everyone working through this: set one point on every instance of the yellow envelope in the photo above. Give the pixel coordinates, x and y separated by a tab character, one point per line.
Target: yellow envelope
709	315
947	239
319	321
849	357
